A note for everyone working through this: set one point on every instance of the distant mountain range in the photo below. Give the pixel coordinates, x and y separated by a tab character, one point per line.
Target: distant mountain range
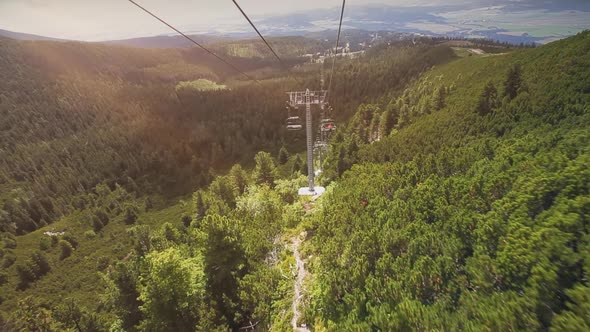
505	20
169	41
143	42
24	36
515	21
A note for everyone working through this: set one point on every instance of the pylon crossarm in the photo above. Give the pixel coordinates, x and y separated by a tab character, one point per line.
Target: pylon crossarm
298	98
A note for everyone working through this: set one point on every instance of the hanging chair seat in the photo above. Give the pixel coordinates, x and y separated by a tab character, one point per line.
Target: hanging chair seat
328	125
294	123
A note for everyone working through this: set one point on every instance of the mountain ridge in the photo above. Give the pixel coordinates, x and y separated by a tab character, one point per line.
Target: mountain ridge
516	22
26	36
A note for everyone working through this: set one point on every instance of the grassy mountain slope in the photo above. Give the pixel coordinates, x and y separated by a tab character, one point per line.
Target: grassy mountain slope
286	47
77	277
167	41
24	36
469	215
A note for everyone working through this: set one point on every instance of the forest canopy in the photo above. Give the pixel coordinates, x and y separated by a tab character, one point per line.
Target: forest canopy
458	190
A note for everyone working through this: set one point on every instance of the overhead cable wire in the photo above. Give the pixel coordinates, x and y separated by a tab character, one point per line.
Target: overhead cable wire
336	48
263	39
195	42
258	32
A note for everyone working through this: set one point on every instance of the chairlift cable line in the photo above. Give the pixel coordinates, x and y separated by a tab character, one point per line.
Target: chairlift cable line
258	32
195	42
336	49
264	40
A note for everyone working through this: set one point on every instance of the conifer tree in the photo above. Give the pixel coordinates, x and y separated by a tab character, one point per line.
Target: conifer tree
296	164
439	98
264	172
513	82
387	122
283	156
239	178
487	99
200	208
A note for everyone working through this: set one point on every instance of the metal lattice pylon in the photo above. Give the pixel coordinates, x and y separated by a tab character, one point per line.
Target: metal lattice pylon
308	98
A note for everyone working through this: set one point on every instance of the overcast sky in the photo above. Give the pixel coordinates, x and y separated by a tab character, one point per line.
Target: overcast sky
116	19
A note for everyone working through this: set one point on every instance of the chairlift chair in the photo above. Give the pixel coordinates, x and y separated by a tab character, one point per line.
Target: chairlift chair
294	123
328	125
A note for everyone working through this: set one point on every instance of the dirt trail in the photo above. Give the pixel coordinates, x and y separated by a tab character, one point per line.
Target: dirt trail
477	51
301	273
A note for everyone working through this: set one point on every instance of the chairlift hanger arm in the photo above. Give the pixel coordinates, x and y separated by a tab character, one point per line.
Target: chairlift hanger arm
298	98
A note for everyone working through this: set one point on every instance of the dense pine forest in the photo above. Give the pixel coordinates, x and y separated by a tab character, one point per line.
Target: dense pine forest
469	210
156	190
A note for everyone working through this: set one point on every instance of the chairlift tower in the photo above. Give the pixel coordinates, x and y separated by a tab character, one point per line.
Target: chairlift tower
322	138
322	107
308	98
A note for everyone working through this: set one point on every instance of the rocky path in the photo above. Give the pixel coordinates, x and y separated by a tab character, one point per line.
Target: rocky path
301	273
